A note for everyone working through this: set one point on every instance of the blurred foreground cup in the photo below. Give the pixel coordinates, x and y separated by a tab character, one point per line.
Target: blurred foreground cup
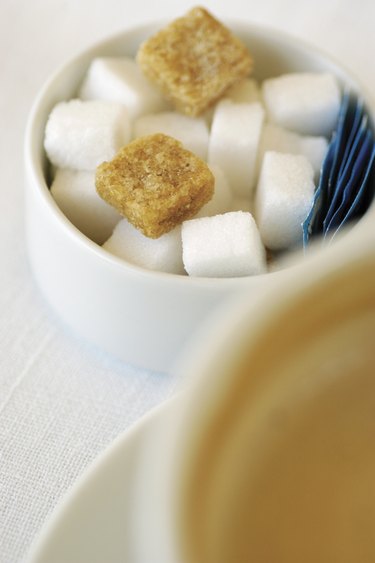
269	456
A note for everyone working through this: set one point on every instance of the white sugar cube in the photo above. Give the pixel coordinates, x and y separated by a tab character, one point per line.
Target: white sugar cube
191	131
283	199
119	79
221	201
305	102
74	192
245	91
163	254
278	139
234	141
81	135
227	245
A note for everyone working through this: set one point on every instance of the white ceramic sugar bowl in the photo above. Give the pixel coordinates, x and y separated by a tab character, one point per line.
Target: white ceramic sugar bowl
140	316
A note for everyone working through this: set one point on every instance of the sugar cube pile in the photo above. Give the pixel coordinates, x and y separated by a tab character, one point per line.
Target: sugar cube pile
163	254
156	183
80	135
74	192
305	102
234	140
283	198
226	245
192	132
175	168
194	60
119	79
279	139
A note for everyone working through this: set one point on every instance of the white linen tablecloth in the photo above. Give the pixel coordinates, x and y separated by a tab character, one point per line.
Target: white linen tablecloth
61	400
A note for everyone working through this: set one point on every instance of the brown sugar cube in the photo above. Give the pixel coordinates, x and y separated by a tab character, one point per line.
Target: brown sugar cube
194	60
155	183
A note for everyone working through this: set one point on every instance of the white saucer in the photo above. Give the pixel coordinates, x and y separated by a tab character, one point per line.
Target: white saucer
91	524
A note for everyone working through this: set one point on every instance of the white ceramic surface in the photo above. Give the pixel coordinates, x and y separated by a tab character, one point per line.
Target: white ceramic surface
93	522
139	316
